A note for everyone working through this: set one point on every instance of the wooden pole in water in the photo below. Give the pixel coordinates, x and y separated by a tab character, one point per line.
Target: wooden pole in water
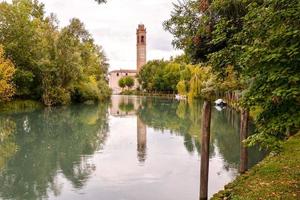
243	136
206	120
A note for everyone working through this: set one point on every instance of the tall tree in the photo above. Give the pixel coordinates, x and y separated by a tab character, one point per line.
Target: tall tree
53	65
271	52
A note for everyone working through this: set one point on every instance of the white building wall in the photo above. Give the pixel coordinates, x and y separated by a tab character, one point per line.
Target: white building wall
115	76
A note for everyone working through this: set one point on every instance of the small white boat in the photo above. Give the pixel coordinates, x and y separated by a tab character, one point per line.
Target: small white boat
218	108
220	102
180	97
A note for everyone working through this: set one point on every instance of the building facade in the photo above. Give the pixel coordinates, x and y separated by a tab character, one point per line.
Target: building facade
116	75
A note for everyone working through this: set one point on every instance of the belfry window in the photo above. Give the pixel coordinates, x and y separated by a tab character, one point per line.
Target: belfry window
143	39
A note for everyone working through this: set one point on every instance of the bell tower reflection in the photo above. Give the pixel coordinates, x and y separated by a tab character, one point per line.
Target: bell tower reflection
141	140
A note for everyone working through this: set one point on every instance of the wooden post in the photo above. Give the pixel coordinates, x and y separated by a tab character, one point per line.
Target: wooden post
243	136
206	120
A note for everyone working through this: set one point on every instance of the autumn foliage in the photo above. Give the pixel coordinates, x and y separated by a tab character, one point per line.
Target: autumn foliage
7	70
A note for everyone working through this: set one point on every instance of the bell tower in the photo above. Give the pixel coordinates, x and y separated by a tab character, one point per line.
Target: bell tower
141	46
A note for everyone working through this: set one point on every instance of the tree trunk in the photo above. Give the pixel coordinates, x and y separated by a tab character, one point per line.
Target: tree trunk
243	136
206	120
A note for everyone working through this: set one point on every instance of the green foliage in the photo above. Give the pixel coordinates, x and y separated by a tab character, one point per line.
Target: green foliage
53	65
203	83
122	83
149	74
56	96
253	46
161	76
126	81
271	58
23	79
129	81
190	30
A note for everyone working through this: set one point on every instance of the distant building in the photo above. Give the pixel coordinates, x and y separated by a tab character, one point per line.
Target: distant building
116	75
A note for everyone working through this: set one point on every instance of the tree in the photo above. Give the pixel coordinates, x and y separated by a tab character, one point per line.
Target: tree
252	46
53	65
122	83
148	75
129	82
22	34
271	44
7	70
160	75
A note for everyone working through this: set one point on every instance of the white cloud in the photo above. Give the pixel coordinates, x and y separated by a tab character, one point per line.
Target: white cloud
113	25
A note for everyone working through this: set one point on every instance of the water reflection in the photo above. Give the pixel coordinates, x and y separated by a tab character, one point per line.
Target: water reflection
53	141
7	145
128	106
141	140
184	119
133	148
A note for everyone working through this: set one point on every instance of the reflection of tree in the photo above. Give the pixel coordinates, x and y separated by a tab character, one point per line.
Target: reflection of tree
180	118
184	118
225	127
7	146
226	136
126	107
52	140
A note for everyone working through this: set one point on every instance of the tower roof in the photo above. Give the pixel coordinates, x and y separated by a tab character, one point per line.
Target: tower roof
141	27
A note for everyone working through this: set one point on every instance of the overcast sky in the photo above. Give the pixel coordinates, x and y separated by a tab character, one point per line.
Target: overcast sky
113	25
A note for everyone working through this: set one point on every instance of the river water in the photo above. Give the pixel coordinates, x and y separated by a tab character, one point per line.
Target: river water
132	148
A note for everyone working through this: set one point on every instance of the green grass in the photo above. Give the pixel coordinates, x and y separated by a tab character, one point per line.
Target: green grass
276	177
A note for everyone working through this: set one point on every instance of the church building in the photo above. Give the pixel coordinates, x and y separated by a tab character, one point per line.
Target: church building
116	75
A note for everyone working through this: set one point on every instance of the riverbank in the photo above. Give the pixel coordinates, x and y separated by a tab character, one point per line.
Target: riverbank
276	177
138	93
20	105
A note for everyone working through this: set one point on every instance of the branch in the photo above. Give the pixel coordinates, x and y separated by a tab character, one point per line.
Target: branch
100	1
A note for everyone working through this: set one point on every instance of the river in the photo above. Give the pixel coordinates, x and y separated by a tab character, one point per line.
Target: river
132	148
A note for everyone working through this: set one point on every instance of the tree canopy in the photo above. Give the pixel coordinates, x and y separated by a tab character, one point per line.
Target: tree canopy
252	47
54	65
126	81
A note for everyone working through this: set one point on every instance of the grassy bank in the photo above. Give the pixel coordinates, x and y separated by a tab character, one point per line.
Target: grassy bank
20	106
276	177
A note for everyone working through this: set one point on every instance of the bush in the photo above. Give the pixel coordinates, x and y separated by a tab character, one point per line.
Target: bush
56	96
